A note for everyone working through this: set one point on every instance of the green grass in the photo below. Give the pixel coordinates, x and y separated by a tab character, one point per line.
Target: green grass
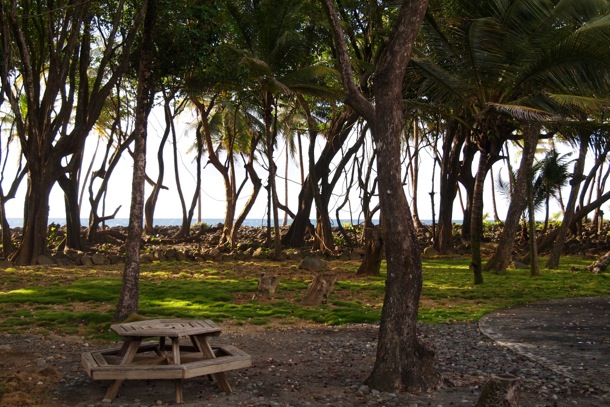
81	301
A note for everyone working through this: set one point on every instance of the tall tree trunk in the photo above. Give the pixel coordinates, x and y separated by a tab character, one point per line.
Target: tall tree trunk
468	182
7	244
413	168
341	127
403	363
151	202
256	187
70	188
130	289
568	216
503	254
36	216
448	186
476	219
533	254
493	198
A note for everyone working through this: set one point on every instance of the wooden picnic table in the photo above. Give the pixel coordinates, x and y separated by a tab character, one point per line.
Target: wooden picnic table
189	355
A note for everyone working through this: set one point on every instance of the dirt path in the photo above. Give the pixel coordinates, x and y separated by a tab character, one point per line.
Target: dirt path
307	365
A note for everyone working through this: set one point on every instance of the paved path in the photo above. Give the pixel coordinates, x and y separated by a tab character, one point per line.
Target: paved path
570	336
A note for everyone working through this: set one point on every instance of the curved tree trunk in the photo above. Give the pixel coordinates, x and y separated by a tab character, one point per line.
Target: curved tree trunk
468	182
256	187
151	202
341	126
503	254
568	216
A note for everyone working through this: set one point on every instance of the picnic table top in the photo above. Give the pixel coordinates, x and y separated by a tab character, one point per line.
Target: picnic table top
171	328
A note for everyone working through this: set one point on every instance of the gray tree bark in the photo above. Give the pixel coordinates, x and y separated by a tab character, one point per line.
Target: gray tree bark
403	363
130	292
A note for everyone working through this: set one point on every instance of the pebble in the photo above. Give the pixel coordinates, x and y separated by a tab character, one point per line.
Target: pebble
317	367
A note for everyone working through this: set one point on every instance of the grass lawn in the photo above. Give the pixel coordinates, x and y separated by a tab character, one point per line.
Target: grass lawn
81	300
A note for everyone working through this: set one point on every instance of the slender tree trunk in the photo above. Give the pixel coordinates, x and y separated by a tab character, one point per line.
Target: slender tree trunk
534	266
503	254
568	216
414	172
493	198
151	202
130	290
285	221
476	219
256	187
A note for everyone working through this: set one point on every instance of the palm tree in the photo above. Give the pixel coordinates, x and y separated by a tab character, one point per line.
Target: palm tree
553	174
504	66
274	40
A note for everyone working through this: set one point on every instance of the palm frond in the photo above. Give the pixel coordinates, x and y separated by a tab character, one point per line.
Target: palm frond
584	103
524	113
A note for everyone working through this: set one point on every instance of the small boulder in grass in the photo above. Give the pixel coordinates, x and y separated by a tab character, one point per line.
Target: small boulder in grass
310	263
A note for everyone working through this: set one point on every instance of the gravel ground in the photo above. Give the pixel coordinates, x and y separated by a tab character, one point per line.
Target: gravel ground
292	366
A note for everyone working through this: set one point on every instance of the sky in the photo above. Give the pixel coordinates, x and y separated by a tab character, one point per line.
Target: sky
213	202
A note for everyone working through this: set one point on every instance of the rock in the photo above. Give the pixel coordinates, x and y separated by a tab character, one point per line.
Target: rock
355	256
430	251
115	259
44	260
171	254
518	265
99	259
86	260
310	263
259	253
215	254
158	255
500	391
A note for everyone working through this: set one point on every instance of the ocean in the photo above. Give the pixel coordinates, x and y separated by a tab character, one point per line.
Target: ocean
18	222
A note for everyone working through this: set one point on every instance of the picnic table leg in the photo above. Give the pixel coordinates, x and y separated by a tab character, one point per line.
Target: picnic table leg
130	347
202	343
177	361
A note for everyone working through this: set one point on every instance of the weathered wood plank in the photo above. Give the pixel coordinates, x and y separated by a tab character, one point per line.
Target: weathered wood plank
213	366
141	372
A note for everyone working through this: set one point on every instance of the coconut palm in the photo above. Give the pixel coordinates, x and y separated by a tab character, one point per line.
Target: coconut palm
275	43
553	174
502	66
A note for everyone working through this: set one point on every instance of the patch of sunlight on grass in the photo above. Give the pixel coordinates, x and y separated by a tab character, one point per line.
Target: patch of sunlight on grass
21	291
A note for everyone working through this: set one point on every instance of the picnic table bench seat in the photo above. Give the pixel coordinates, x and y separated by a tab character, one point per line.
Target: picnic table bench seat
105	365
